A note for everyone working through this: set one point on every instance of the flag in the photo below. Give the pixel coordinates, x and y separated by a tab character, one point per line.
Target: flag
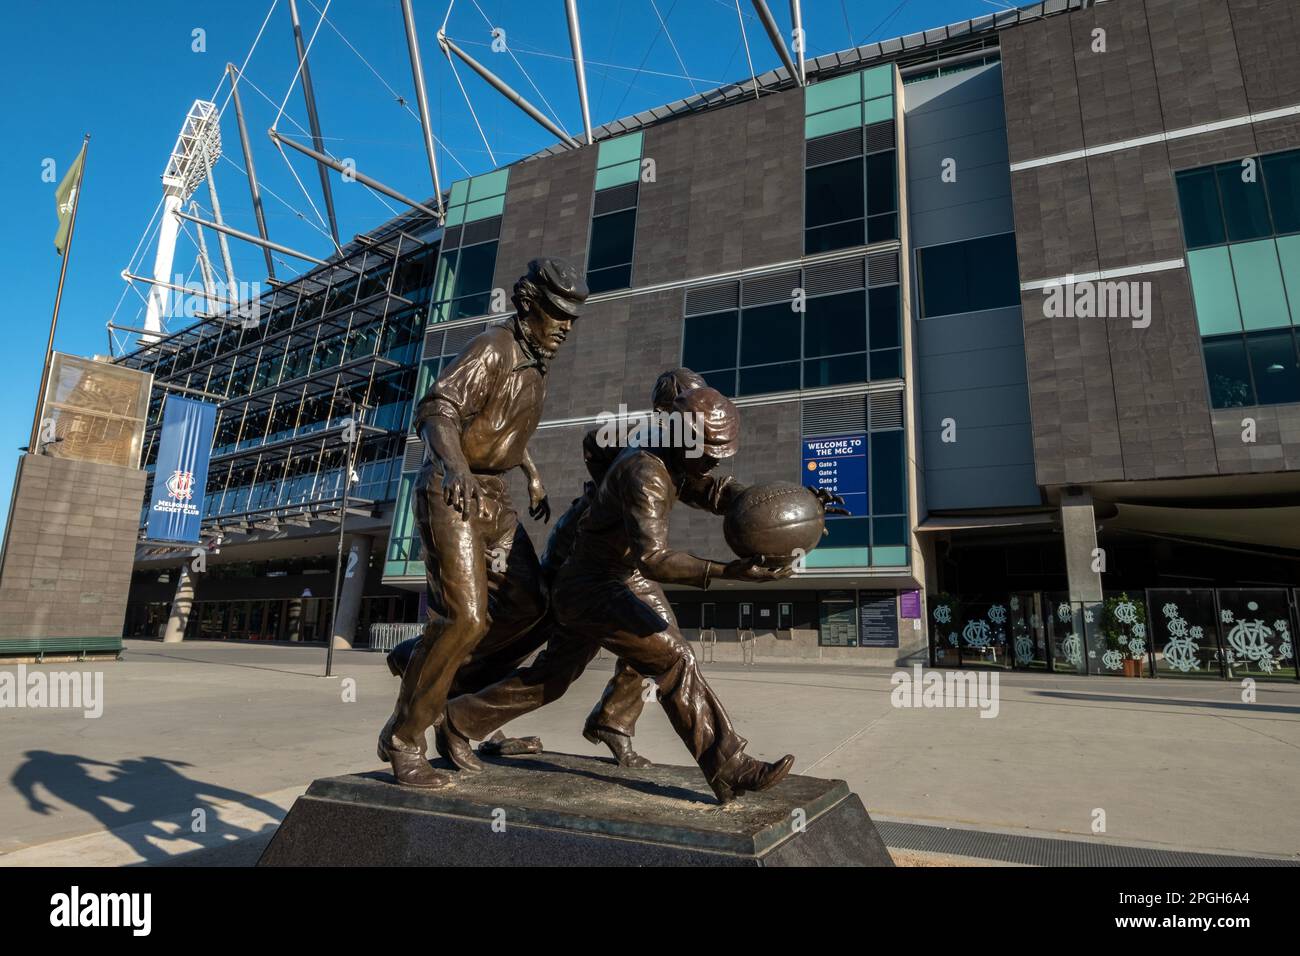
65	198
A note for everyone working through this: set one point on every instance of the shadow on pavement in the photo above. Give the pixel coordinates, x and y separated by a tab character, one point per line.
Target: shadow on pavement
130	797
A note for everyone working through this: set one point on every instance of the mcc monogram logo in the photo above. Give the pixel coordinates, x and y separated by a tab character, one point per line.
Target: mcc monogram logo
181	485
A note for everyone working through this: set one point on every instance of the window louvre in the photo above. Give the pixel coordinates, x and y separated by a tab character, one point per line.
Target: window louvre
771	288
712	298
834	277
457	339
432	343
886	410
612	200
451	237
882	268
482	231
830	416
880	136
832	148
413	458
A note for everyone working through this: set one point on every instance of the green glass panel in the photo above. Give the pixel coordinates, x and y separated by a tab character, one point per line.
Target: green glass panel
833	121
459	192
1259	285
829	94
888	557
618	175
621	149
489	184
880	110
878	81
1288	250
1214	291
485	208
838	558
455	215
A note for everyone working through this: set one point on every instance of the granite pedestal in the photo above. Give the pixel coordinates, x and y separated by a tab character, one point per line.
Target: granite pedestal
553	809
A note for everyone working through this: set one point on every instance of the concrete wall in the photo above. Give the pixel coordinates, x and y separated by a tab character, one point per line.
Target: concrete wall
1110	401
67	568
972	365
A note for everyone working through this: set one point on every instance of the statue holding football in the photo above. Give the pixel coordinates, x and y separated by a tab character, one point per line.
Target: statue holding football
600	583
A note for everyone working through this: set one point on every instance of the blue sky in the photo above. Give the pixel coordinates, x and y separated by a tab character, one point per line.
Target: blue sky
128	72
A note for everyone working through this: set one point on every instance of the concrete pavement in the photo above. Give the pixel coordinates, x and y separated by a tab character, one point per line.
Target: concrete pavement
202	746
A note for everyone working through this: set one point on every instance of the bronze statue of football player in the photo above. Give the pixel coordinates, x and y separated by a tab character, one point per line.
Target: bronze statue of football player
613	720
476	422
609	594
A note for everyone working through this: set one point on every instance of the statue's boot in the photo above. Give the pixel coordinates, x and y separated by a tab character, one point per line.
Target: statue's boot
620	745
455	747
410	766
742	774
499	745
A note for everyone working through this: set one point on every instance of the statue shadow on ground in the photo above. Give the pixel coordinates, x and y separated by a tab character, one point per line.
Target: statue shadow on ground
539	764
131	798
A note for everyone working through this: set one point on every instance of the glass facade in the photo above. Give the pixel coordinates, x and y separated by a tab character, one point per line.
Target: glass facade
1241	225
288	381
839	332
851	167
969	276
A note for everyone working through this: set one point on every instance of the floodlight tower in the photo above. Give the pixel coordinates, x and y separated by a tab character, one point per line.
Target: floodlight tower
197	147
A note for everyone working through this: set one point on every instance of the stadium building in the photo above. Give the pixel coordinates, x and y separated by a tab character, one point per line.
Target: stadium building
1025	289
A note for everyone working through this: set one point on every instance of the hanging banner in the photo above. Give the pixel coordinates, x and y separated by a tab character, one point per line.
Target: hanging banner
181	475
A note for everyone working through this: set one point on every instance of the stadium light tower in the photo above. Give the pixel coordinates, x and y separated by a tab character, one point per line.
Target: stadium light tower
197	147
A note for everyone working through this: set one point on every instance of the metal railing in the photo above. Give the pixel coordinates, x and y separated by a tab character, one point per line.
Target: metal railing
384	637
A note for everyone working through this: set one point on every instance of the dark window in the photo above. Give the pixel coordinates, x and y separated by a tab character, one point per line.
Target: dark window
769	378
847	533
888	476
886	364
839	236
1244	207
1282	174
969	276
710	341
611	239
768	334
833	193
1229	373
724	381
1198	196
839	370
885	316
1277	371
834	324
474	273
888	532
882	228
880	183
606	280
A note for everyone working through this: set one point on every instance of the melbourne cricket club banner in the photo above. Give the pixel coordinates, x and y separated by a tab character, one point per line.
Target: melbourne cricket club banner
181	474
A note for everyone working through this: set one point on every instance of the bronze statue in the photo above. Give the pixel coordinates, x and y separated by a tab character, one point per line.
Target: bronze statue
613	720
609	594
476	422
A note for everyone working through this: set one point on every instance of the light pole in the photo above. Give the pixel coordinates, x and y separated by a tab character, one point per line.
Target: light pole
352	441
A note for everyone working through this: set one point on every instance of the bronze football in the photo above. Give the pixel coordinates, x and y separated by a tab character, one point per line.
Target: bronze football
778	520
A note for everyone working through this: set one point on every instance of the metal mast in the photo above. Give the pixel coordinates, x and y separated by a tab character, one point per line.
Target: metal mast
579	69
313	120
249	167
422	100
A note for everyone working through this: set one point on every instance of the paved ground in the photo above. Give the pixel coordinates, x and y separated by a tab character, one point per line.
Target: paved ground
226	735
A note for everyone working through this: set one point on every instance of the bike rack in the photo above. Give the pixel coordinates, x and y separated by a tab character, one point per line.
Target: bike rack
708	643
748	642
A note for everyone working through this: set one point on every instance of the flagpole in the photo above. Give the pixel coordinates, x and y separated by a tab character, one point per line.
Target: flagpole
33	447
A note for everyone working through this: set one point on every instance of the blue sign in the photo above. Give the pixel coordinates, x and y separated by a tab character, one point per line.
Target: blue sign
181	473
838	463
